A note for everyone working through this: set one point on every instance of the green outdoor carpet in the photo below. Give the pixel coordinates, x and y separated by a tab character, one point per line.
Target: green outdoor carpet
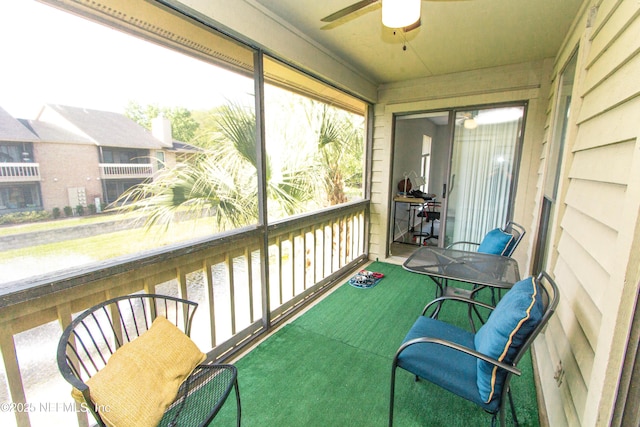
332	366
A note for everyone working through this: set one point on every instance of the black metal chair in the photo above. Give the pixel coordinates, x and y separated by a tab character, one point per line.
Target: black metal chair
478	367
430	212
92	338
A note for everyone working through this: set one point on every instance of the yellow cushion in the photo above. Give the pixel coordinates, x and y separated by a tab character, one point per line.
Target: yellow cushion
141	379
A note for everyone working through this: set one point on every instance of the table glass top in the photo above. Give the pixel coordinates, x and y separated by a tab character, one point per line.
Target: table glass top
471	267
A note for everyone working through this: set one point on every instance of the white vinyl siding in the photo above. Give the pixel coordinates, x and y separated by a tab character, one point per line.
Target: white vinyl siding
596	227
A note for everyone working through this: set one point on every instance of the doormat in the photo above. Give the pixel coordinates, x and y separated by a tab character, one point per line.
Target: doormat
366	279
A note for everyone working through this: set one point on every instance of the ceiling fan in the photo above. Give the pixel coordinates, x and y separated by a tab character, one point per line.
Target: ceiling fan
403	14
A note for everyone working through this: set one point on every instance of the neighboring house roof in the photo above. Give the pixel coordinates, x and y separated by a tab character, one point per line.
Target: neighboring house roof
12	130
73	125
48	132
183	147
104	128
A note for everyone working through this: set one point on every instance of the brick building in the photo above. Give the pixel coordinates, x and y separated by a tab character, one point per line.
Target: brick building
70	156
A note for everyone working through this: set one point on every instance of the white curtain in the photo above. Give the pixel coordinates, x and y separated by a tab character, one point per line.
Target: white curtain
482	169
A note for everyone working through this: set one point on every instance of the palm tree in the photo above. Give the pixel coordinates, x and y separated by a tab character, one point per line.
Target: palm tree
340	145
223	180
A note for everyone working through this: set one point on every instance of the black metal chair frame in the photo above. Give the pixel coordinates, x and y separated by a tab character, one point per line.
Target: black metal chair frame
550	302
513	228
91	338
430	213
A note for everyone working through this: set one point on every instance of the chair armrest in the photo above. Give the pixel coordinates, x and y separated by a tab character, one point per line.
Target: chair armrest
462	243
458	347
457	298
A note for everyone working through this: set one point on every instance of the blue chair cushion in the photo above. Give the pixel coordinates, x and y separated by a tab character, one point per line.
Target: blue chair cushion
495	242
450	369
514	318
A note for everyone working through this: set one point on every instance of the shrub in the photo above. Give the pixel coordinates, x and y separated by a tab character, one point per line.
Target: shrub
23	217
80	210
56	213
92	209
68	211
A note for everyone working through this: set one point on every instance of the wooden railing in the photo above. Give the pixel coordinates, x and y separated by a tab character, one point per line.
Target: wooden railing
245	281
125	170
19	172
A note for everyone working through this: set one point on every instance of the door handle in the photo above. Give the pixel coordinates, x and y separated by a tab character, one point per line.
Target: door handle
453	183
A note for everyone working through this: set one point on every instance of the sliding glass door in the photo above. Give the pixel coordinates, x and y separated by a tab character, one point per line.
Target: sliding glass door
468	159
484	162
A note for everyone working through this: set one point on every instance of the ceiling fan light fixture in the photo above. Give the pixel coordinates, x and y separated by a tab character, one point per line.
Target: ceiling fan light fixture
470	123
400	13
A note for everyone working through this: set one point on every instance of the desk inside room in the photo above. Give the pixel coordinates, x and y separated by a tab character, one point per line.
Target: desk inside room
421	211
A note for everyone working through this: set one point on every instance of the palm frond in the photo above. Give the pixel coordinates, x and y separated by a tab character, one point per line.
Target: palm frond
238	126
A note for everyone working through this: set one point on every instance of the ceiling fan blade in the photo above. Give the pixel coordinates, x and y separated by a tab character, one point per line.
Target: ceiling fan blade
348	10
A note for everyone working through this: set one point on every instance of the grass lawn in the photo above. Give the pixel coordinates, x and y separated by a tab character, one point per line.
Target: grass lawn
35	260
8	230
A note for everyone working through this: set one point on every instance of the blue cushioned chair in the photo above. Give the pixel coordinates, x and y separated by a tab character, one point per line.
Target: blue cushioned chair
478	367
499	241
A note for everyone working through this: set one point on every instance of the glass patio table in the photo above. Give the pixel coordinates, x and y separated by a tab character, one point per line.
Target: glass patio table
478	269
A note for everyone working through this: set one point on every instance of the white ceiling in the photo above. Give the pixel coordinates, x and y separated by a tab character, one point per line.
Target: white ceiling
455	36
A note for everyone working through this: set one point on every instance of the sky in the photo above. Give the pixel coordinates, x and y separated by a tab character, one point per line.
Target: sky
53	57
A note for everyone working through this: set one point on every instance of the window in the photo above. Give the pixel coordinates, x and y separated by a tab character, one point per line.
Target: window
114	155
174	92
116	188
554	163
97	108
159	160
19	197
170	143
426	161
15	153
9	153
484	166
314	142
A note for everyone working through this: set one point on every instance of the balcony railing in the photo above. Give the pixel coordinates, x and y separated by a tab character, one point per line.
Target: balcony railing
19	172
125	170
245	281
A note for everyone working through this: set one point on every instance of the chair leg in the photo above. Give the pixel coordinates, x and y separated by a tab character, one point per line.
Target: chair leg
503	421
470	315
392	394
238	406
513	408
